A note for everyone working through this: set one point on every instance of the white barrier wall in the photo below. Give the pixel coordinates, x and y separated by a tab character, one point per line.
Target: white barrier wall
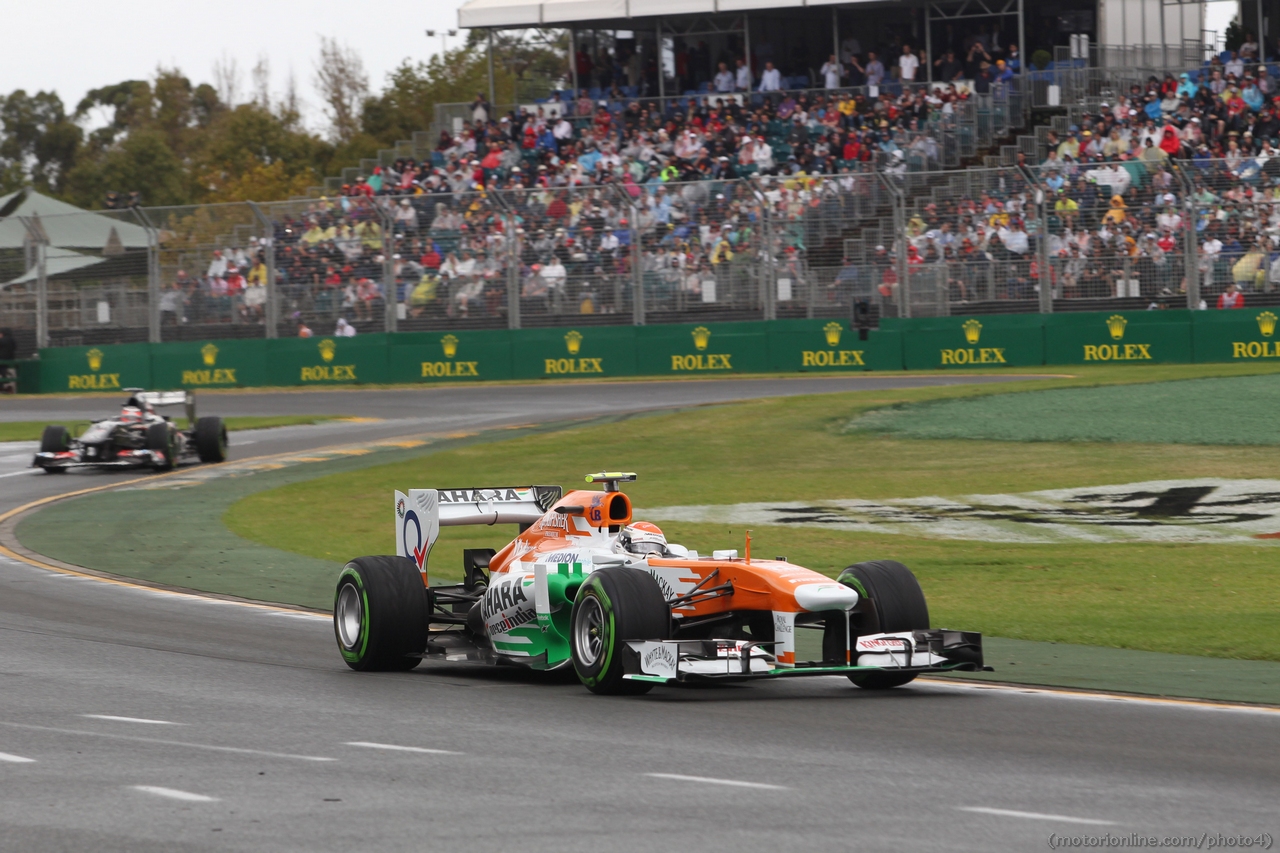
1148	22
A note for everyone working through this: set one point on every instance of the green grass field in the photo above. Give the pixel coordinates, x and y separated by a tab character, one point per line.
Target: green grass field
31	430
1214	600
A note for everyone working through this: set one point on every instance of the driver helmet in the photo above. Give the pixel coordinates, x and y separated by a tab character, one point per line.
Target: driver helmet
643	538
131	415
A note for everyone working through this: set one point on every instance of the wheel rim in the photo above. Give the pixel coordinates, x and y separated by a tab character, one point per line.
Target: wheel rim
590	630
349	616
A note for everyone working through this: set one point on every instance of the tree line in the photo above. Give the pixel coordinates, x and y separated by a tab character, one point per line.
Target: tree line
173	141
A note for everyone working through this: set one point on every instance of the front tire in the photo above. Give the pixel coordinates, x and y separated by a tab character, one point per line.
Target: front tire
211	439
160	440
898	604
614	605
380	616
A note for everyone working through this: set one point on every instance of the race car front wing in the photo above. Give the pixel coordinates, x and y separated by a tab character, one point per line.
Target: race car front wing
936	650
78	459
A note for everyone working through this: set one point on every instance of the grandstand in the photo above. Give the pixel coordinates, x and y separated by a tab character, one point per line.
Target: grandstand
651	190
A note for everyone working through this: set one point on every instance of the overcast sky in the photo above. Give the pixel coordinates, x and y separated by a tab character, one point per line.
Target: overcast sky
73	46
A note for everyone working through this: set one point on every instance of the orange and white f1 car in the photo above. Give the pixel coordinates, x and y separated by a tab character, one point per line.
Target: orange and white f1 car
584	585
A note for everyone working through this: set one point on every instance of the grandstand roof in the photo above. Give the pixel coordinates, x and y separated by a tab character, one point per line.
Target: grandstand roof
534	13
65	224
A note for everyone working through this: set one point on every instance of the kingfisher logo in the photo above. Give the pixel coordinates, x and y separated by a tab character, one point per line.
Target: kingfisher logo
417	548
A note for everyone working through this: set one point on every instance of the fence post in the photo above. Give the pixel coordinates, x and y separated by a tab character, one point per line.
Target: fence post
513	260
1191	247
390	296
273	295
768	271
37	236
898	201
637	260
153	274
1042	200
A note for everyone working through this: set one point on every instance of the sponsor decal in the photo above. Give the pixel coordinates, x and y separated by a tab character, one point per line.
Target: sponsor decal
419	548
1117	352
1199	510
555	521
972	331
573	341
558	557
505	605
449	344
93	381
327	349
553	366
782	625
218	376
833	330
400	508
829	358
709	361
1115	325
1259	349
985	355
94	357
659	657
449	369
499	495
209	354
329	373
701	337
880	644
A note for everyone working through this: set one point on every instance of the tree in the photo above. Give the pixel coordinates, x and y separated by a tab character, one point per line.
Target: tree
343	86
141	162
39	143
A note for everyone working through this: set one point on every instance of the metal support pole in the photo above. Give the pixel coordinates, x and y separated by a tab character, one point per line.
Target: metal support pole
835	33
899	202
272	318
746	48
493	92
1191	246
573	61
153	274
928	49
1023	53
1260	35
662	83
769	271
390	296
37	236
513	259
637	268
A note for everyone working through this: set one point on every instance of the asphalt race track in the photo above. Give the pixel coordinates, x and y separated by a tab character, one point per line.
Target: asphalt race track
144	720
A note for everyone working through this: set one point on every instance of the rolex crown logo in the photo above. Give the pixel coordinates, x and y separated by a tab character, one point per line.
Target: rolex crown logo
95	359
450	346
701	337
327	348
833	330
1115	325
209	353
573	341
972	331
1267	324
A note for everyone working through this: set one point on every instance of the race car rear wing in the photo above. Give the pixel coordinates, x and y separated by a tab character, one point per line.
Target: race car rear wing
168	398
422	512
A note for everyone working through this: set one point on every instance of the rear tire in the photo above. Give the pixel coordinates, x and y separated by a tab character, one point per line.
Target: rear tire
211	439
899	605
55	439
160	440
380	616
614	605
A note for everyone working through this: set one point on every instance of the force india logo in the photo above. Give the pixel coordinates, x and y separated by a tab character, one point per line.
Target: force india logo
1203	510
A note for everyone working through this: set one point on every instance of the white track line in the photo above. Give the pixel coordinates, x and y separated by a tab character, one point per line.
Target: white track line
395	748
237	750
116	719
709	781
16	759
16	473
1091	696
174	794
1036	816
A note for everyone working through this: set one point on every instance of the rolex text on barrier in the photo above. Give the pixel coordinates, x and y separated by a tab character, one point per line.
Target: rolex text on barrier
97	368
832	345
1000	340
702	348
1244	334
1131	337
450	356
209	364
327	360
577	352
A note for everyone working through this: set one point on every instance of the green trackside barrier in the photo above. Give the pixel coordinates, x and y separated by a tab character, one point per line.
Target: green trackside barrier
1129	337
831	345
449	356
209	364
681	349
95	368
576	352
327	360
1242	334
28	374
989	340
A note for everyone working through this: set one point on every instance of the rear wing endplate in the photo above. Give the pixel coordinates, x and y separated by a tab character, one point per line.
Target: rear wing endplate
169	398
422	512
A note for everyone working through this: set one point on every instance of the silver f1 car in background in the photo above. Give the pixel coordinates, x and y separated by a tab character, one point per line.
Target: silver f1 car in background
137	437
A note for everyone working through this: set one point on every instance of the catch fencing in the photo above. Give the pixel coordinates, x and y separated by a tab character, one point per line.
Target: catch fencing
877	240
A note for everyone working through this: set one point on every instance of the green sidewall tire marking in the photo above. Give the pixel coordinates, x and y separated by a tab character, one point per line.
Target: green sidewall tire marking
610	631
354	655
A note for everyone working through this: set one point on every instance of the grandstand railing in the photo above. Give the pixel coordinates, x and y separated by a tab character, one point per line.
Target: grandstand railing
901	242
